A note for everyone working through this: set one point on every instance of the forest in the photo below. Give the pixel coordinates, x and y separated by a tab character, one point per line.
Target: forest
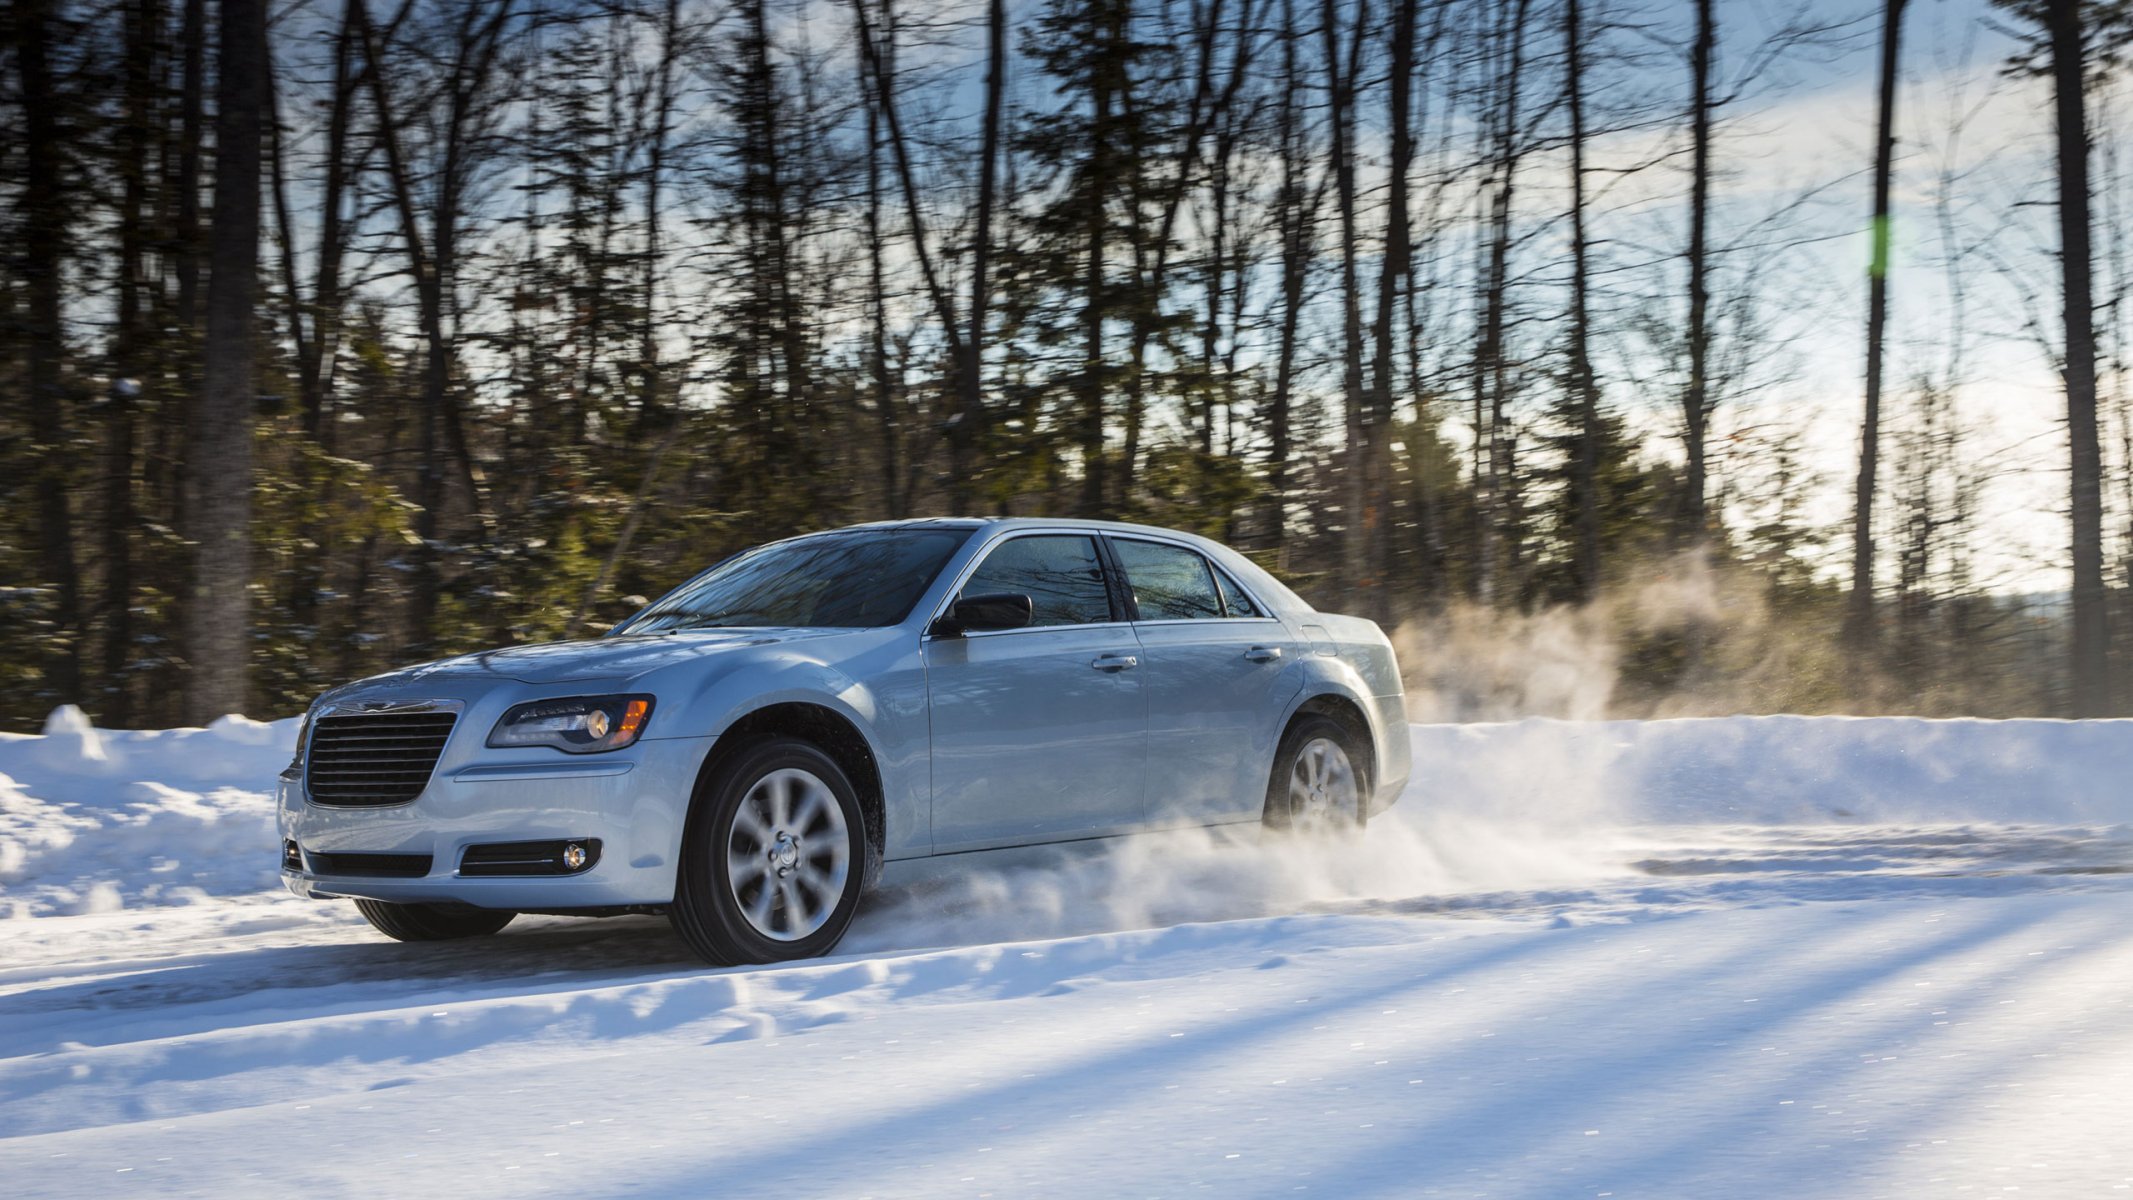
1631	357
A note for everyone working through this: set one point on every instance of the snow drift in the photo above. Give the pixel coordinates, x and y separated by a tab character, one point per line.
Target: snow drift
94	820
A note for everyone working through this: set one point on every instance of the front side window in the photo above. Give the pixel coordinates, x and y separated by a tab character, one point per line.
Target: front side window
1060	574
862	579
1170	583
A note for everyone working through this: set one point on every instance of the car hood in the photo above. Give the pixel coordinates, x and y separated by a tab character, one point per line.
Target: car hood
599	658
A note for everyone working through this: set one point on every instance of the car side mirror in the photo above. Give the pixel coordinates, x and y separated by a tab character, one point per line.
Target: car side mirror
990	610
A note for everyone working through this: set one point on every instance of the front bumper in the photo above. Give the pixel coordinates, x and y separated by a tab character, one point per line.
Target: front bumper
632	801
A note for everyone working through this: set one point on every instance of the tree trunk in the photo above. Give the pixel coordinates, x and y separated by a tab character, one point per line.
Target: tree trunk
2091	641
192	129
1584	387
878	315
1859	609
1494	449
1396	267
130	355
649	413
218	611
43	204
1095	304
1340	99
1294	221
969	421
326	281
1696	402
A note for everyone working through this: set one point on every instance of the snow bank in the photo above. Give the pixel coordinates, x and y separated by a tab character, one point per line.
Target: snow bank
93	820
1780	770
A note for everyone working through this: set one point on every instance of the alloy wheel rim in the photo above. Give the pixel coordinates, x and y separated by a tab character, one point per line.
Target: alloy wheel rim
1322	786
788	854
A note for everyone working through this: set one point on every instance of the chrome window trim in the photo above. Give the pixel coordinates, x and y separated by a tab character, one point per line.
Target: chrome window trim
985	551
992	633
1212	566
1210	620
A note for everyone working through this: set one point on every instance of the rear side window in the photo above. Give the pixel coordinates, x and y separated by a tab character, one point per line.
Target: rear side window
1170	583
1059	573
1234	601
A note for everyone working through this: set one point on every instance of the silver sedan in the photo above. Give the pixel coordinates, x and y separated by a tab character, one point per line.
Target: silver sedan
747	753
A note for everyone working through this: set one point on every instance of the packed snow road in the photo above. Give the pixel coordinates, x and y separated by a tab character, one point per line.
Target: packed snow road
1682	958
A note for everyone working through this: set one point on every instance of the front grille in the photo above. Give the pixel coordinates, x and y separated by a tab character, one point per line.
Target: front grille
375	758
379	866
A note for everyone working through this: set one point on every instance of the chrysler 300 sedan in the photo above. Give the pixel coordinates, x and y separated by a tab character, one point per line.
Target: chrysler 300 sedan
747	752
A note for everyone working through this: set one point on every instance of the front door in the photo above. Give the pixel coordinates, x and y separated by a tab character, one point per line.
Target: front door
1039	734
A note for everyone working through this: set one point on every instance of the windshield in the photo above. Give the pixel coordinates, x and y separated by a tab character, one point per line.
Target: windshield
861	579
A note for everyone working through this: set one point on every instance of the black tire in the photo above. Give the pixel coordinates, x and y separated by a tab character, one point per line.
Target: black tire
432	922
1302	732
707	910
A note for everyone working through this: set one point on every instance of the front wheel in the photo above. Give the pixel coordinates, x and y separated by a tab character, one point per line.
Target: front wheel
1318	786
774	857
432	922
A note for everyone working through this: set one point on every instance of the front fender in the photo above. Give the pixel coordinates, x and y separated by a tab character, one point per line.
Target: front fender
879	686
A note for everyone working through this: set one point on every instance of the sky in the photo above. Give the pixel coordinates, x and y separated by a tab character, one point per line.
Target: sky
1987	139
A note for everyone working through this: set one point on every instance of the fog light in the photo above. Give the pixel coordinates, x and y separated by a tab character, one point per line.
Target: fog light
574	857
292	859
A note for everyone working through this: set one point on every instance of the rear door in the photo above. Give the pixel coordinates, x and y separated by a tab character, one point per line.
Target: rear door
1039	734
1216	672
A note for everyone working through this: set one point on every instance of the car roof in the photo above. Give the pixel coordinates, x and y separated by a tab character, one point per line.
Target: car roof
1023	523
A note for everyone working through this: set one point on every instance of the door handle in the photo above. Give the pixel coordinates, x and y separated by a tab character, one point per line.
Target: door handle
1262	654
1115	662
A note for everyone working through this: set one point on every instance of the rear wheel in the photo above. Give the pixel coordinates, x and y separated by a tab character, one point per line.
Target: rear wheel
1320	781
774	858
432	922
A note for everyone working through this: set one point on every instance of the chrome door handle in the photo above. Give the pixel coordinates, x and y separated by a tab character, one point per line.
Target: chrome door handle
1115	662
1262	654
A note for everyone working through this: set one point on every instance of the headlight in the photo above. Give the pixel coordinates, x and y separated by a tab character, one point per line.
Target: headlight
577	725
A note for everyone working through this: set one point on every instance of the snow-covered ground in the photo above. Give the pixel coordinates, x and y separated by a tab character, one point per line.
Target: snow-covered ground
1688	958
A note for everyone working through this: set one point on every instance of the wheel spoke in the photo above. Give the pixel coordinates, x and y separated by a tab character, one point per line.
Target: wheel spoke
810	807
749	821
746	869
827	878
759	908
781	801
